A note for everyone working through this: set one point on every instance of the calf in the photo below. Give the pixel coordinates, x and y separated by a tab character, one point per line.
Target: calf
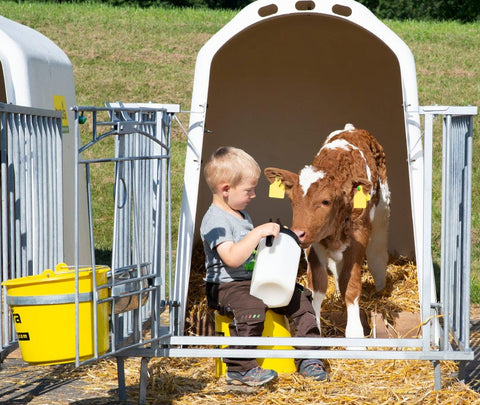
341	209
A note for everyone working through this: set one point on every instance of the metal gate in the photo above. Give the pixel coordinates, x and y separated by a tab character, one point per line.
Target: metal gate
453	307
31	238
141	242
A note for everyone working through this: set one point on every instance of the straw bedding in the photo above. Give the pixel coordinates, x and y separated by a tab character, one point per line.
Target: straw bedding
400	295
193	381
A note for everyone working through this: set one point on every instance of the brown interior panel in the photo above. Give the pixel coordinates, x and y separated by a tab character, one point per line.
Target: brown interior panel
279	87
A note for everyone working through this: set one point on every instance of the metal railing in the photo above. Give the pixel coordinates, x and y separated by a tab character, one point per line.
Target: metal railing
141	185
449	314
141	270
32	207
453	307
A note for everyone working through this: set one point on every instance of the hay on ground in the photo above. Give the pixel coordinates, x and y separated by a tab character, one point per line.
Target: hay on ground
192	380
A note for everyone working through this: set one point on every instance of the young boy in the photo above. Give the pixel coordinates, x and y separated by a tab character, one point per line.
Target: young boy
229	240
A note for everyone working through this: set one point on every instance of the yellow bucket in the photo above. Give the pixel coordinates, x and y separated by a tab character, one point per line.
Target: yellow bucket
275	326
43	311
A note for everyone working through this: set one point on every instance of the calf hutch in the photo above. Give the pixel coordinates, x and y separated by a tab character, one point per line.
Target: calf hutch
275	81
35	72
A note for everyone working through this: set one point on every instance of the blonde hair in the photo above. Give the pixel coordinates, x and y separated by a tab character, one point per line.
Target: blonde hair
231	165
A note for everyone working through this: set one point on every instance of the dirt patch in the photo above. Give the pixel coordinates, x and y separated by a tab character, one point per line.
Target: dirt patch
21	383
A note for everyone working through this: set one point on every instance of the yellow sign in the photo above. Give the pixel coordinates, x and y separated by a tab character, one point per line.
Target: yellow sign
277	189
60	105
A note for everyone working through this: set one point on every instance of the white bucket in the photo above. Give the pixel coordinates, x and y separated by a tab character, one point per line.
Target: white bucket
275	272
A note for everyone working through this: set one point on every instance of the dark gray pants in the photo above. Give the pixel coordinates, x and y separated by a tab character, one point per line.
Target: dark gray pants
249	315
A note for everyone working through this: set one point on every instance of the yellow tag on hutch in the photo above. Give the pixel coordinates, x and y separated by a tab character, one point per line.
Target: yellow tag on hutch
277	189
360	198
60	105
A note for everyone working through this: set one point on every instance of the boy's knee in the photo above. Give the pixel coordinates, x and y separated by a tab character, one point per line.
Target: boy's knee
301	301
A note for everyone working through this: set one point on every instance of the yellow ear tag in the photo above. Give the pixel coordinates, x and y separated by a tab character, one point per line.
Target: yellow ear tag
360	198
277	189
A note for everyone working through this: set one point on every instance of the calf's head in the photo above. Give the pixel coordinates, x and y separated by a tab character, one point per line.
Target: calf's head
321	204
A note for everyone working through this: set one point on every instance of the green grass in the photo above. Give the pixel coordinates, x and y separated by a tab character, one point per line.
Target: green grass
140	55
448	73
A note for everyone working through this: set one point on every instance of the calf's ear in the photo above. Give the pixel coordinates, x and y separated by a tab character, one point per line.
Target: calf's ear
350	186
289	179
366	185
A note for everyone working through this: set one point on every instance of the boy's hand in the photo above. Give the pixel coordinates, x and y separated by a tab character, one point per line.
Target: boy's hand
270	228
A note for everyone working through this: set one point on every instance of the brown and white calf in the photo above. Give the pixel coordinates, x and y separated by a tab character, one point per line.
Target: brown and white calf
334	232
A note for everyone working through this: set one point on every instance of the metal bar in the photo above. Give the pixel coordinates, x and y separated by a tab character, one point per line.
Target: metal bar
44	182
14	182
449	110
467	198
122	393
6	336
292	341
58	196
445	256
315	354
22	197
462	371
125	159
28	231
48	299
17	109
77	238
36	189
437	373
48	192
142	396
169	209
138	209
116	261
92	256
425	276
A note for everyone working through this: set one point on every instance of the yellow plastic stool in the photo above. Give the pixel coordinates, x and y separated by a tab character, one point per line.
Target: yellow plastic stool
275	326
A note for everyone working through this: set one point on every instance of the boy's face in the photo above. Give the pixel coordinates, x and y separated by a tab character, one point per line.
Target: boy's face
240	195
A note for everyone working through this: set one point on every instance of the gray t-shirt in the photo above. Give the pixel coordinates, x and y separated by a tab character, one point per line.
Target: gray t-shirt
219	226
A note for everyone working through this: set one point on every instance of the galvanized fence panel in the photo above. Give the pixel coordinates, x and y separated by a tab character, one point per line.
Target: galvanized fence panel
456	224
141	248
32	208
453	306
142	240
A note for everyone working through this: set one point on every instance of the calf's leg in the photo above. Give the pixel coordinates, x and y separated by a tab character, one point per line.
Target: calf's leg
377	249
351	288
317	281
